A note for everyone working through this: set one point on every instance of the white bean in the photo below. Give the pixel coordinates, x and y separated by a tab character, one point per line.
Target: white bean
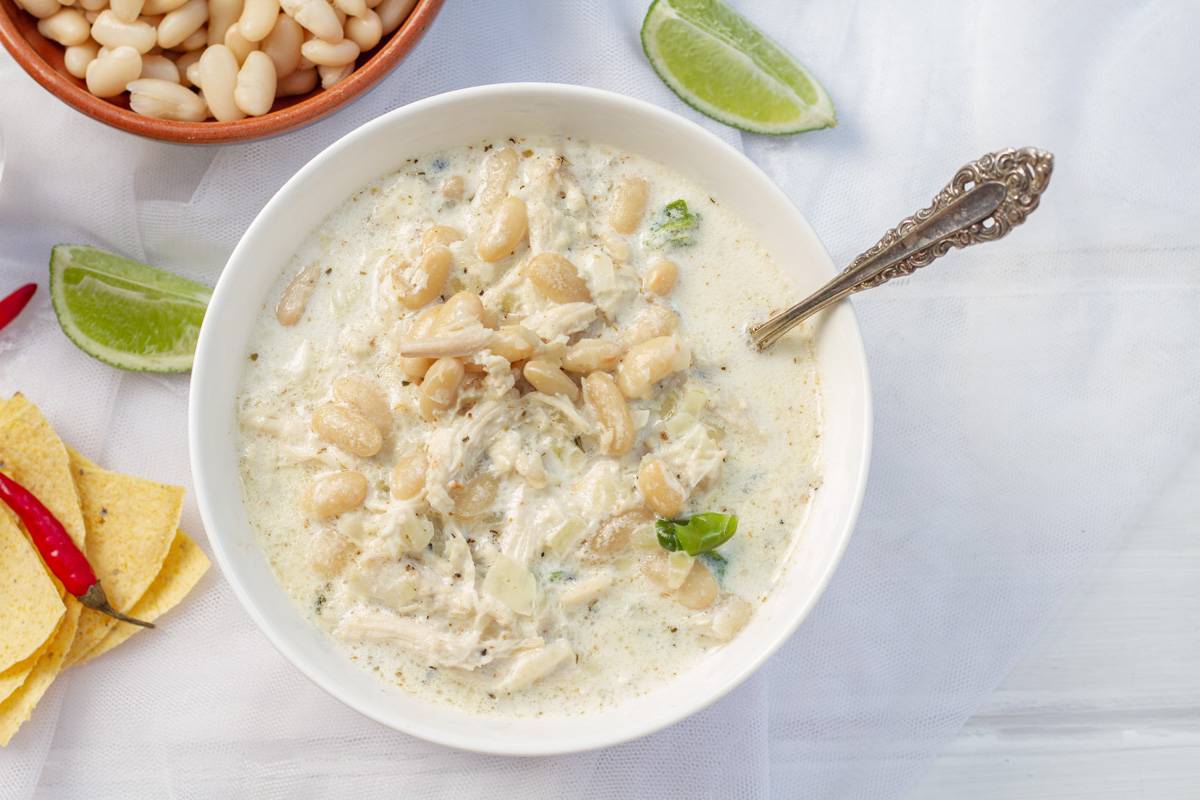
504	231
90	16
282	44
331	76
68	27
255	89
365	397
373	3
334	493
601	394
258	18
295	296
628	205
661	277
192	73
197	41
42	9
347	429
239	45
166	100
365	30
93	5
181	23
110	73
301	81
160	68
222	14
127	10
78	57
352	8
324	54
151	6
185	62
218	77
316	16
499	168
110	31
393	12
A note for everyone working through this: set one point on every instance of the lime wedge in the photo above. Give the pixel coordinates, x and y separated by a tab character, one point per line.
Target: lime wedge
719	63
125	313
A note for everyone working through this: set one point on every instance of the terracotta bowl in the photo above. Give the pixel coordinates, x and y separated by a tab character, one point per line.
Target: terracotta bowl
43	60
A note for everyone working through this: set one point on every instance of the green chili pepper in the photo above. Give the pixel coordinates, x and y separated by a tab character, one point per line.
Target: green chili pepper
702	533
675	227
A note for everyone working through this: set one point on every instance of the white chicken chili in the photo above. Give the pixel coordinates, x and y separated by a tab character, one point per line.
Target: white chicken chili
503	438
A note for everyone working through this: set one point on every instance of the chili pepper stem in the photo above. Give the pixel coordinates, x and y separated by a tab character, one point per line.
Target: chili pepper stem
94	599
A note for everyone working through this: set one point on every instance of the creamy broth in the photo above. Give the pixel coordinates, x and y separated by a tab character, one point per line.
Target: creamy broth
491	543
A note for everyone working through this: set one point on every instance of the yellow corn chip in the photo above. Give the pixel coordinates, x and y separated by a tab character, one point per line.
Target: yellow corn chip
15	710
130	523
14	677
31	602
184	566
36	458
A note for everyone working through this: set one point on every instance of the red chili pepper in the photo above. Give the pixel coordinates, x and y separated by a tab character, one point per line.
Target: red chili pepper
11	306
61	555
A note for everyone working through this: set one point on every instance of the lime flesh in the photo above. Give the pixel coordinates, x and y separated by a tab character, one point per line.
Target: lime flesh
125	313
718	62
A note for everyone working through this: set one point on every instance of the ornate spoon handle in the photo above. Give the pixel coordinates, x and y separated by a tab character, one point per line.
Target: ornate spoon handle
985	200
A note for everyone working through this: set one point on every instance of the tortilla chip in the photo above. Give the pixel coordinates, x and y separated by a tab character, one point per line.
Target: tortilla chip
130	525
36	458
15	710
31	602
14	677
184	566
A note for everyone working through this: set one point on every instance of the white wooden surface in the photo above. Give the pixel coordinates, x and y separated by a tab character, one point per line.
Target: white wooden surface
1107	704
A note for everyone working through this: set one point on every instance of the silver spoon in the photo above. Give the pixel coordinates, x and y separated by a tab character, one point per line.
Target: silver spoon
985	200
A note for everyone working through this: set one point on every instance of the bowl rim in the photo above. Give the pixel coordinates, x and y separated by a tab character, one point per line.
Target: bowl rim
598	736
316	106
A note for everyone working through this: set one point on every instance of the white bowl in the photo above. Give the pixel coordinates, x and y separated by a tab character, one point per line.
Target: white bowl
466	117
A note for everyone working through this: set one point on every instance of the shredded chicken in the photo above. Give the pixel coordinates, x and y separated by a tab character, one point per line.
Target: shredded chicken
563	406
561	320
535	665
587	590
465	342
455	449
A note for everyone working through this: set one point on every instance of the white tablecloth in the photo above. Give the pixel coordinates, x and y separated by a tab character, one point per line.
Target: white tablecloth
1032	395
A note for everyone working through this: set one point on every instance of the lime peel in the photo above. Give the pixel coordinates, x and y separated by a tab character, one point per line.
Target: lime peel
127	314
719	63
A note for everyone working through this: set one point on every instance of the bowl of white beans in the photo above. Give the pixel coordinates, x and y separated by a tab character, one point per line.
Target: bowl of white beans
210	71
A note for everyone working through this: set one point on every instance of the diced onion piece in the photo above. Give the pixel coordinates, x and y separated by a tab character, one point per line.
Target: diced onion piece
415	533
566	537
679	566
585	591
511	584
678	424
693	401
731	618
